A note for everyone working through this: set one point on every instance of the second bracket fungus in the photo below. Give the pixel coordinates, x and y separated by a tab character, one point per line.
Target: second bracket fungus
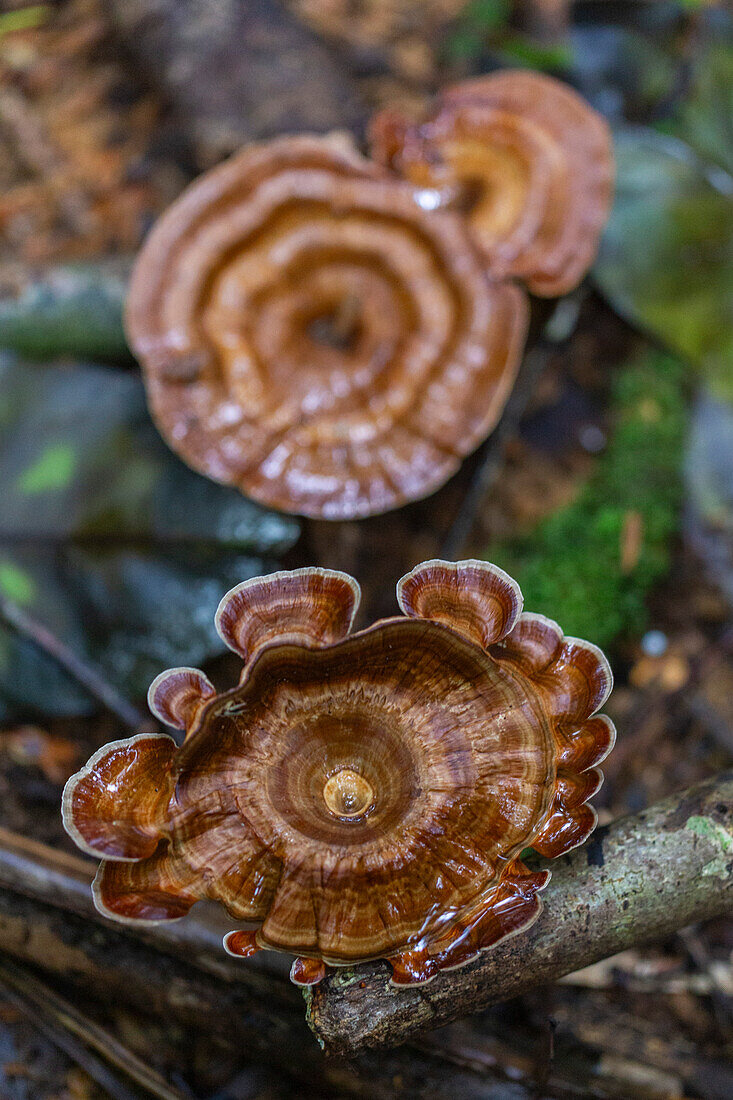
357	796
528	161
310	334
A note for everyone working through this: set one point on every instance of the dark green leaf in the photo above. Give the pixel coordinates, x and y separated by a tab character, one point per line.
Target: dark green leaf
547	57
709	483
622	73
666	262
108	539
707	116
487	15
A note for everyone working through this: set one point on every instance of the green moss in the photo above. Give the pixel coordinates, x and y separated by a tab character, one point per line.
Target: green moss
570	567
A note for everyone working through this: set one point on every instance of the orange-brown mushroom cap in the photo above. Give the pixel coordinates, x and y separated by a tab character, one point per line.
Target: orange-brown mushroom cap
309	334
361	795
529	161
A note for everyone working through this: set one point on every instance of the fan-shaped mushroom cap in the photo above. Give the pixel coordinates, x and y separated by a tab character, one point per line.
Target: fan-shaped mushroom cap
176	696
527	158
365	795
309	606
311	335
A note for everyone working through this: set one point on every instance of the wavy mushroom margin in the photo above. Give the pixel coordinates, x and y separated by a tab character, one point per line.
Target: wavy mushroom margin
315	608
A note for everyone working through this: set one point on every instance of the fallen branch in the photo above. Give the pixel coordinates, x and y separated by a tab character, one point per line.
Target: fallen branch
639	879
92	1047
110	966
64	881
113	964
116	968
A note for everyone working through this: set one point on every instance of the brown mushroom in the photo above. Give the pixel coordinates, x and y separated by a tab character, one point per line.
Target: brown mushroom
311	335
363	795
526	158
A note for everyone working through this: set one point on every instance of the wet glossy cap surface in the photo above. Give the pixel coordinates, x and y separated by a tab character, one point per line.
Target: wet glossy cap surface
310	334
358	796
528	162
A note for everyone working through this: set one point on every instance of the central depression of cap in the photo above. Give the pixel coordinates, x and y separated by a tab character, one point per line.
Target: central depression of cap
353	794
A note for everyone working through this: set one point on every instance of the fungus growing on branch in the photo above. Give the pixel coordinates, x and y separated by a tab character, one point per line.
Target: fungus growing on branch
357	796
311	335
525	158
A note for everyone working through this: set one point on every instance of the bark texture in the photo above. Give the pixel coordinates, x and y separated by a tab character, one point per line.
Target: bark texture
115	967
64	881
639	879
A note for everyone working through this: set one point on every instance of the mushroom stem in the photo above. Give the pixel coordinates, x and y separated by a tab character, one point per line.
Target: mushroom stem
639	879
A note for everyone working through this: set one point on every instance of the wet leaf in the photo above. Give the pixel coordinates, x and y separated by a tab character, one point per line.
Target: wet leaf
24	18
108	539
131	611
709	482
53	469
706	119
16	583
666	262
81	458
623	73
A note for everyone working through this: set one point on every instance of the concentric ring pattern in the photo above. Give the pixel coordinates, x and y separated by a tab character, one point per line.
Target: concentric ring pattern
313	336
361	795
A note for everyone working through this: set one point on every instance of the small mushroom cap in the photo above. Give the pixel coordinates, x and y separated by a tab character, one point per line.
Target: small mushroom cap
530	161
177	696
110	807
310	606
356	872
475	597
311	335
359	795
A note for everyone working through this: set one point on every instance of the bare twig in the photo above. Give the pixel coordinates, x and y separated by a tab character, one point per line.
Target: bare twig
19	621
637	880
92	1047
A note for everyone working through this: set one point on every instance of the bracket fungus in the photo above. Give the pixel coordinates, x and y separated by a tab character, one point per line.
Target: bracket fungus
528	161
311	335
357	796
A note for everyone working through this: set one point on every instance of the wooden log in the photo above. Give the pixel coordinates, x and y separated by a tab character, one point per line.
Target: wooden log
98	1051
113	966
105	960
64	881
637	880
97	961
